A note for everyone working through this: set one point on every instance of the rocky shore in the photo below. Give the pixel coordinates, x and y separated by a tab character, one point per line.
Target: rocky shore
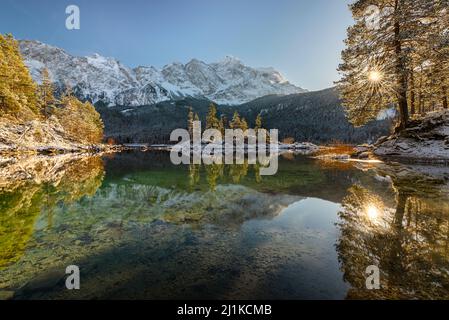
42	137
425	140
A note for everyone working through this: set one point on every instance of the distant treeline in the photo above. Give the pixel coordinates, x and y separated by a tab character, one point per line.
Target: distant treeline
316	117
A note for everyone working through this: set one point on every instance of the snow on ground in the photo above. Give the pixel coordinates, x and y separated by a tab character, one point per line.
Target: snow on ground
426	139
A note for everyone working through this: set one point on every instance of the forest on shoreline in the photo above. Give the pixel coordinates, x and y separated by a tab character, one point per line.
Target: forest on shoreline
23	101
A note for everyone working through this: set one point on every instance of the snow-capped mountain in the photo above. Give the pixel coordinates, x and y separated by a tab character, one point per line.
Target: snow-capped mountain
105	79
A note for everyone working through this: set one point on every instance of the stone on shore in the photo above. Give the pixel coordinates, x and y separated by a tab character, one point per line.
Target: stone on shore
424	140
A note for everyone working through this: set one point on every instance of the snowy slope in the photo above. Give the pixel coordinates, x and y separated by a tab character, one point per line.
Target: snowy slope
105	79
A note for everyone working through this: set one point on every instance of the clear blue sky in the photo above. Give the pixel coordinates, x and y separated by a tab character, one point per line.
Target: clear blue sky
300	38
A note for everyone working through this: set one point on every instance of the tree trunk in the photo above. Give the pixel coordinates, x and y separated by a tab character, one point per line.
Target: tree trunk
395	259
400	73
412	93
420	107
400	210
444	98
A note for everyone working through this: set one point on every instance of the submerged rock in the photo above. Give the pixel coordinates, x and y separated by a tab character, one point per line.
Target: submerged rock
362	152
364	155
6	294
43	282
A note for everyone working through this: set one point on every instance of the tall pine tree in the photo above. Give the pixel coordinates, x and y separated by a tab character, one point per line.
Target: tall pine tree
236	122
212	121
396	55
190	119
46	93
17	89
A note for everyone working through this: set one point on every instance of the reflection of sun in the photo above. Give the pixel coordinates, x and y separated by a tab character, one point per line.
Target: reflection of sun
373	213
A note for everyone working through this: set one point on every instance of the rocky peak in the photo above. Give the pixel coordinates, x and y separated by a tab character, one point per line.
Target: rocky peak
99	78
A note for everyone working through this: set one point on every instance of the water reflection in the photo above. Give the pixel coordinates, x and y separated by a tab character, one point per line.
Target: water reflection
30	186
216	172
408	240
140	227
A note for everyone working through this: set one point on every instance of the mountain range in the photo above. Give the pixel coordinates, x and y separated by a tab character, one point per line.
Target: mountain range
145	104
100	79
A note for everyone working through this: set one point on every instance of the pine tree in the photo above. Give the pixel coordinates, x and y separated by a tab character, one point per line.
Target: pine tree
212	121
80	120
235	123
224	121
243	125
17	89
258	123
46	93
258	126
190	120
222	124
429	71
21	98
375	70
402	61
439	48
68	91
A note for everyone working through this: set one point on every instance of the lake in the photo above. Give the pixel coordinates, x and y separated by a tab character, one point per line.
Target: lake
139	227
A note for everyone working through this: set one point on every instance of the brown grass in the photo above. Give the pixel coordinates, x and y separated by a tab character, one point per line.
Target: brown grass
335	164
336	149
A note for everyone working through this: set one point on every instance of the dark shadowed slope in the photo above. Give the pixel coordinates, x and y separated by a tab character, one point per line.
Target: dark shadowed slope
314	116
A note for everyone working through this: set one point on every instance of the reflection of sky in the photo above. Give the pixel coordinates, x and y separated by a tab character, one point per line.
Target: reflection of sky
305	235
312	213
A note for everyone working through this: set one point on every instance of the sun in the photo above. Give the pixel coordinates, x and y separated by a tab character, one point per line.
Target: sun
373	213
375	76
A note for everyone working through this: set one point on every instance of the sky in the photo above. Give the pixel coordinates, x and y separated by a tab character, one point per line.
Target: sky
300	38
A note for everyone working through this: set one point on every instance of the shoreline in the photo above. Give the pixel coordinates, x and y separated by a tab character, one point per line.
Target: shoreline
101	149
55	151
415	160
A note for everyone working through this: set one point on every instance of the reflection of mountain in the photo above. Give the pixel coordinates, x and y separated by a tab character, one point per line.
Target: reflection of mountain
409	241
227	205
68	227
33	184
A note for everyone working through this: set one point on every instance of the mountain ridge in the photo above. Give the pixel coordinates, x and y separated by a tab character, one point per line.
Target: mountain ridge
104	79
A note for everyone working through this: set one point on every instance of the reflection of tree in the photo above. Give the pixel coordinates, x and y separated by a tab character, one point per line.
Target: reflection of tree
238	171
21	202
213	172
216	172
290	156
19	209
409	244
256	168
194	175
